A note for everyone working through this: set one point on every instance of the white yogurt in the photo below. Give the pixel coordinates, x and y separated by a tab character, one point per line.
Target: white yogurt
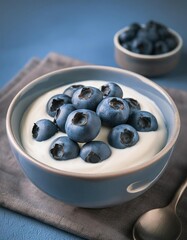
148	145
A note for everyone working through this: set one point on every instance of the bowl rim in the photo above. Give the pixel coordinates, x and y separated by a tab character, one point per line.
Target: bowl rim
95	176
144	56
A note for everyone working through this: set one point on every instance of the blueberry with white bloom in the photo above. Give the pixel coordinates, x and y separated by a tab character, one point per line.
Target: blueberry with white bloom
161	47
133	104
113	111
43	130
127	35
171	42
82	125
55	102
123	136
142	46
70	90
62	114
112	90
64	148
87	98
95	151
143	121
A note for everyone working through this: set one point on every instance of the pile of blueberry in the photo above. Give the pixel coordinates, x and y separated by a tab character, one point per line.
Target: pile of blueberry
81	111
151	39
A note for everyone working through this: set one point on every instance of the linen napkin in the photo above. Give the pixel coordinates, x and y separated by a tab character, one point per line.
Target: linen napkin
19	194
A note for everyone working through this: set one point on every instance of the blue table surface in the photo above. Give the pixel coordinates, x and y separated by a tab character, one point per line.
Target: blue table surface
84	30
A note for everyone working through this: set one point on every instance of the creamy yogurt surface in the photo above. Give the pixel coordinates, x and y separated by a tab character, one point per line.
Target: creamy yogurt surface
148	145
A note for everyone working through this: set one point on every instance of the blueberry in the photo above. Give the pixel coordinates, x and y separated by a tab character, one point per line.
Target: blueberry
43	130
64	148
127	45
171	42
142	46
62	114
142	34
55	102
143	121
154	24
152	34
163	32
70	90
112	90
134	26
123	136
113	111
160	28
160	47
82	125
151	24
87	98
133	104
127	35
95	151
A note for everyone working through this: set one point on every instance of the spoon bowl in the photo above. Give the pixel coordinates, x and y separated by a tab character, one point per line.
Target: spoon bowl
160	223
155	223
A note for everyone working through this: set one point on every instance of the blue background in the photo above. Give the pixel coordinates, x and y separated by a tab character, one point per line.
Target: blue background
84	30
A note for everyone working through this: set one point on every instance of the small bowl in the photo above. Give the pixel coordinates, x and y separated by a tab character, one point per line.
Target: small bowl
147	65
83	189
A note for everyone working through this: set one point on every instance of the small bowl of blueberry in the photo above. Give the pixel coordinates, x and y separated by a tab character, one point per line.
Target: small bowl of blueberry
150	49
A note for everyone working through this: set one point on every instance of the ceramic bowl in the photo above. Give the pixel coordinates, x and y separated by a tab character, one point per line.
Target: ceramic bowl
147	65
92	190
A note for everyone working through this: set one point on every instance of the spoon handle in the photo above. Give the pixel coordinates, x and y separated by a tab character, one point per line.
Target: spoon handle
178	194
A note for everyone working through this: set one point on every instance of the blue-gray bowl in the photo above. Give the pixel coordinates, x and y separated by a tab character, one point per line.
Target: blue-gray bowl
92	190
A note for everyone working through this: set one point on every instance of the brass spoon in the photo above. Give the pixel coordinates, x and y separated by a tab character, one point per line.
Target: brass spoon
161	223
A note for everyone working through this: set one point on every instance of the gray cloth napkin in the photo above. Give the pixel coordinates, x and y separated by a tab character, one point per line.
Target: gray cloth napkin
19	194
